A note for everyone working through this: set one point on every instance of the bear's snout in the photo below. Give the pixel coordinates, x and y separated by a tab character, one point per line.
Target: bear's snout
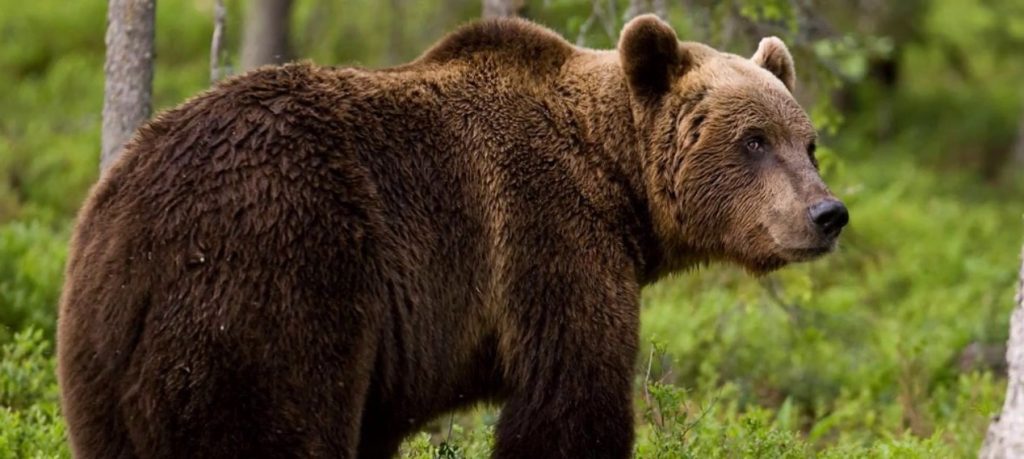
829	216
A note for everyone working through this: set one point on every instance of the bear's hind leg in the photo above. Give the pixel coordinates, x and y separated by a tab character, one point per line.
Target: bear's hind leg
292	399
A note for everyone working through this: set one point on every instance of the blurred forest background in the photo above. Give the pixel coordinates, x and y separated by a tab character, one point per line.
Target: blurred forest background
893	347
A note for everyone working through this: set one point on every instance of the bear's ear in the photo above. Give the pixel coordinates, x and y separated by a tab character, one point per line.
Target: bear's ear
773	56
650	55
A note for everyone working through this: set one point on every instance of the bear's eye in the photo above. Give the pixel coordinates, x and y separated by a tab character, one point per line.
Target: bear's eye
695	135
811	148
755	144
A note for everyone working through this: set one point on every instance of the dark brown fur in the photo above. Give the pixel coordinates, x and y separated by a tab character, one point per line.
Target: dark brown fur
313	262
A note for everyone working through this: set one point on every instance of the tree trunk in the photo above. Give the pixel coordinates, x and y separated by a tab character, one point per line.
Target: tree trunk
396	36
128	71
1005	437
635	8
266	32
1018	146
502	8
217	41
638	7
660	7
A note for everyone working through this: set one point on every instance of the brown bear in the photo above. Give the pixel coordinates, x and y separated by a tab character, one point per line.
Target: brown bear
312	262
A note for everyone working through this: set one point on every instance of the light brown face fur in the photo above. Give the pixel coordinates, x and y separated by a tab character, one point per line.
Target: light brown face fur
728	152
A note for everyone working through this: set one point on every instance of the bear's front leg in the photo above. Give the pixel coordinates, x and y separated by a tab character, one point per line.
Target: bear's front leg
569	347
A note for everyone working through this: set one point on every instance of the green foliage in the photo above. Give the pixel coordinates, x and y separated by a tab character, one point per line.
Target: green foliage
30	422
852	356
31	272
456	441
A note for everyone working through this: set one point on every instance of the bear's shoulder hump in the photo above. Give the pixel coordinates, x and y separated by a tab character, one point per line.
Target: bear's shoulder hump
525	42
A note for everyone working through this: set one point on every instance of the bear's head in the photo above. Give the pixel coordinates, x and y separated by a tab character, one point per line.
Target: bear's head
727	152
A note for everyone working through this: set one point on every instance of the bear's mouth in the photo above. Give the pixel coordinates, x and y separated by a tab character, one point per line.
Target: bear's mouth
783	256
796	254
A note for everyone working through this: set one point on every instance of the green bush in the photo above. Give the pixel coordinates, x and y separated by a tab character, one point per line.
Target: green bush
30	421
31	272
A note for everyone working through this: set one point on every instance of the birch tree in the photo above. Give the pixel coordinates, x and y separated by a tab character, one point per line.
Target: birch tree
128	72
217	41
1005	439
502	8
638	7
265	36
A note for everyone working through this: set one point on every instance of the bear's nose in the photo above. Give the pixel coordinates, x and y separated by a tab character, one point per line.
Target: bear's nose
829	216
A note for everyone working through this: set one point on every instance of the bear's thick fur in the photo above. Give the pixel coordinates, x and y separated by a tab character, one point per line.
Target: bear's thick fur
312	262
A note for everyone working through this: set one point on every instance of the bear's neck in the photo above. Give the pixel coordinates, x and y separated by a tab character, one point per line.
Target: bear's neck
609	128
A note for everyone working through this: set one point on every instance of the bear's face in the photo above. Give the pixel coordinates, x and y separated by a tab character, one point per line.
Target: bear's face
728	153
